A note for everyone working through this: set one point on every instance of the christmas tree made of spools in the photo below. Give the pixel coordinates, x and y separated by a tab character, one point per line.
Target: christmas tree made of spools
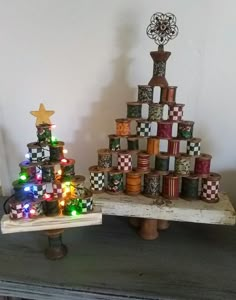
47	184
190	177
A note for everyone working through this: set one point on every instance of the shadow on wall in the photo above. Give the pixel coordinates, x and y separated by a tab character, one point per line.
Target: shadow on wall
95	128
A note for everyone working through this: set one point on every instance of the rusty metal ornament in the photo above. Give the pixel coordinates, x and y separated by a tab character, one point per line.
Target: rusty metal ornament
162	28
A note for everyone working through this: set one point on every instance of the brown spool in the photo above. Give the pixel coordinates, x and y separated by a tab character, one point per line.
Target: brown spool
168	94
153	146
143	162
133	183
123	127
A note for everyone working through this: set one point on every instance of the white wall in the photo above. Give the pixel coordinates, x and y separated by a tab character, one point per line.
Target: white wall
85	58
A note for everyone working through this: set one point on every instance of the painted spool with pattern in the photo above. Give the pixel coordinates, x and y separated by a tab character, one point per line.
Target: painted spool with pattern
67	168
189	188
56	151
168	95
97	179
22	190
143	162
194	147
133	183
44	133
155	112
153	146
202	165
48	172
151	187
35	209
77	189
210	188
115	183
175	112
164	130
123	127
145	93
39	189
36	153
86	203
104	159
16	210
173	147
185	130
51	205
124	161
134	110
143	128
182	164
159	67
57	187
114	142
162	163
28	169
133	143
170	188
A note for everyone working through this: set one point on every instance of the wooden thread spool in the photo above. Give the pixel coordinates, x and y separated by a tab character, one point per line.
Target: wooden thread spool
44	133
182	165
162	163
36	152
143	128
153	146
48	172
97	179
202	165
67	168
164	130
133	143
189	189
175	112
151	186
145	93
185	130
114	142
155	113
39	189
133	183
168	94
19	190
134	110
173	147
143	162
57	189
170	189
124	161
28	169
16	210
36	209
194	147
115	182
56	151
210	188
51	206
122	127
104	159
77	186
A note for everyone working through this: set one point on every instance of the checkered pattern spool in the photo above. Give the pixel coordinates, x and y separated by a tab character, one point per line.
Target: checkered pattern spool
39	190
194	147
175	112
210	190
38	208
97	181
16	210
124	162
36	154
86	204
143	129
57	189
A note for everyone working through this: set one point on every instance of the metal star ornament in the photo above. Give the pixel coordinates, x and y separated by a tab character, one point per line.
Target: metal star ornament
42	115
162	28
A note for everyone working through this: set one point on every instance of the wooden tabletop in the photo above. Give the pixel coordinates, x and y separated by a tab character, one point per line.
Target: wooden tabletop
188	261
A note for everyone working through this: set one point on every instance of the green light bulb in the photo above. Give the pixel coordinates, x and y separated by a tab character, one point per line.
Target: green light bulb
73	213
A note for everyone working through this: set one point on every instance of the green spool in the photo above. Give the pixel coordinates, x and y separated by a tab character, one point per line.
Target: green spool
190	187
134	110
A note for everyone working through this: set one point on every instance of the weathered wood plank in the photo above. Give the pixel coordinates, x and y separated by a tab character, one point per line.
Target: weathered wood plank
221	213
48	223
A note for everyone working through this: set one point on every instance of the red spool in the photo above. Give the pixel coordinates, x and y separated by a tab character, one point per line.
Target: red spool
164	130
170	189
143	162
202	165
173	147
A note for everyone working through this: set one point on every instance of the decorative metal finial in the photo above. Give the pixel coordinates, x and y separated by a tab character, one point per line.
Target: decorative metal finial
162	28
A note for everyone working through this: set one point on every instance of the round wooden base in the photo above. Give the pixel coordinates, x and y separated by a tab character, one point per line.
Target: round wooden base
56	249
163	224
148	230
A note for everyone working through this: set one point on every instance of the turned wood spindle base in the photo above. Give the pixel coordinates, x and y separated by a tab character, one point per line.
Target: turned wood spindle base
56	249
148	230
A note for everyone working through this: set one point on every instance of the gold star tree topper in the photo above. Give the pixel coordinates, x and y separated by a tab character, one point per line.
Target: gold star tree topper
42	115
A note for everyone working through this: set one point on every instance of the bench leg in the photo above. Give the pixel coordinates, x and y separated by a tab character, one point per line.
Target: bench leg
56	249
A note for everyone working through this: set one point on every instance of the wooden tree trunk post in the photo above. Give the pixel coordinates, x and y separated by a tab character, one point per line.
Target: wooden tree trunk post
56	248
148	230
163	224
